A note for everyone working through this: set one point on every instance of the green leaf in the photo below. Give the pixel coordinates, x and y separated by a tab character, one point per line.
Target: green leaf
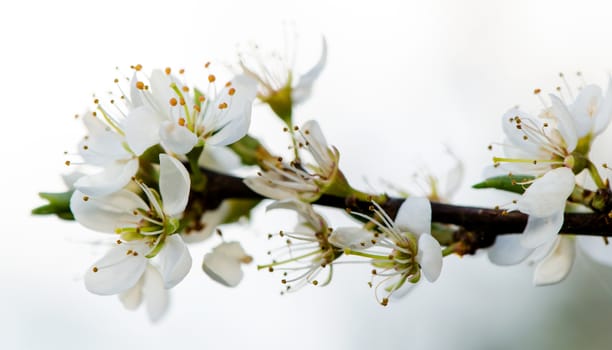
511	183
59	204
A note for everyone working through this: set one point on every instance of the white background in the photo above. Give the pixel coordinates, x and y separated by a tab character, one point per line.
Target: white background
403	78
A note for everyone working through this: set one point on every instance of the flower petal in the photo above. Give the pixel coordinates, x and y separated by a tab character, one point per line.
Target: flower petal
547	195
508	250
414	215
177	139
102	144
352	238
141	129
111	179
223	264
105	214
516	136
219	159
557	265
231	124
604	112
303	88
161	91
174	184
540	230
156	296
118	271
585	109
429	257
175	261
565	122
304	210
132	298
596	248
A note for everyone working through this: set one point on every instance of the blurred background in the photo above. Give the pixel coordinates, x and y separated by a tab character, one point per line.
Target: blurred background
403	79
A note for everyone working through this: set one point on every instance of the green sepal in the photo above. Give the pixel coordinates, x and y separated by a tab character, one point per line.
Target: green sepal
250	150
281	103
59	205
511	183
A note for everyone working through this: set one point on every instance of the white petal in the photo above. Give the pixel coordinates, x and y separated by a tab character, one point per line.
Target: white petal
540	230
508	250
111	179
565	122
317	145
262	186
596	248
223	264
174	184
232	123
414	215
303	88
117	271
156	296
231	249
304	210
141	129
351	237
175	261
105	214
220	159
177	139
547	195
557	265
585	109
102	144
516	135
132	298
161	92
605	111
429	257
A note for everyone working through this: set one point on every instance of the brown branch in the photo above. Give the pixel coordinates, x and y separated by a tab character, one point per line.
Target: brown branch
479	226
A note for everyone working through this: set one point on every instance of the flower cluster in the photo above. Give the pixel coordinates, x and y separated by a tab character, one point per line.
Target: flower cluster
140	142
551	149
156	172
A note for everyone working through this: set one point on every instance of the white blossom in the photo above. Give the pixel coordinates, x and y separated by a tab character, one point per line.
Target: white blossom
146	231
400	250
305	182
306	252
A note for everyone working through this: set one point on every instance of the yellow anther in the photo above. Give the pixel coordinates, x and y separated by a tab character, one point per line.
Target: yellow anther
168	70
211	78
95	269
222	105
231	91
140	85
181	121
173	102
138	67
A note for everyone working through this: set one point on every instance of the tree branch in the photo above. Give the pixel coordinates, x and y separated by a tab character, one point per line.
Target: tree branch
478	226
